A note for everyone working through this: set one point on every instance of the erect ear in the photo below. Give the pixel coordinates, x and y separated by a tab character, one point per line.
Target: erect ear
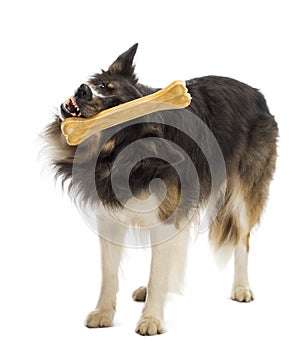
124	63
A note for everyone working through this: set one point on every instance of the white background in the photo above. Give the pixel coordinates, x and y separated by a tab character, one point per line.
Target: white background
49	258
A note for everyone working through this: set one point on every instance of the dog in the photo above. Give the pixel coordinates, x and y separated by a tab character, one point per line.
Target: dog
158	172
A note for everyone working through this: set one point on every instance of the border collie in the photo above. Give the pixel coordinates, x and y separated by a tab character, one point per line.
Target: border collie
150	181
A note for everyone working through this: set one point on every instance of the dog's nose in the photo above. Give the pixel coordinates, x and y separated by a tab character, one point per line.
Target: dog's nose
84	92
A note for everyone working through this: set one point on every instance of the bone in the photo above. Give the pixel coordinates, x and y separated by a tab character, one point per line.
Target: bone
174	96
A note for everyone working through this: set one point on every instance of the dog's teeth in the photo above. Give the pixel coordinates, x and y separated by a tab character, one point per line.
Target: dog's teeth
71	104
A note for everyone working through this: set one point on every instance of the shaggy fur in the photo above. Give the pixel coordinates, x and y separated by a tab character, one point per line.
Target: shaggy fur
240	120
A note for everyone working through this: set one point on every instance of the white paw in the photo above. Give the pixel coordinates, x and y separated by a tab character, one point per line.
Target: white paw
140	294
102	318
242	294
150	326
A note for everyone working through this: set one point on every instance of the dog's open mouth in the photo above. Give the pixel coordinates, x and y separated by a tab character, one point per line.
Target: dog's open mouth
70	108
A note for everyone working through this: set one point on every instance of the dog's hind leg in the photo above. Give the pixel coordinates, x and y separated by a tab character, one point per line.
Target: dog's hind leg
166	274
111	254
230	233
249	210
140	294
255	173
241	290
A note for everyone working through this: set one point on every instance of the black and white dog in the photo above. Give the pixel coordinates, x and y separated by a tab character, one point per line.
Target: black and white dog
157	173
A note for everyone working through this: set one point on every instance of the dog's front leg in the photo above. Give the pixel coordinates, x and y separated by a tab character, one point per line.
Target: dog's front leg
166	274
103	315
151	321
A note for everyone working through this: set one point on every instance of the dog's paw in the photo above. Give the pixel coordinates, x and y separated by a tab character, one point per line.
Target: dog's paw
242	294
140	294
150	326
100	318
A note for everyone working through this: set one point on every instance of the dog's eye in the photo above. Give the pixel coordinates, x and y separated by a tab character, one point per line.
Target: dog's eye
102	85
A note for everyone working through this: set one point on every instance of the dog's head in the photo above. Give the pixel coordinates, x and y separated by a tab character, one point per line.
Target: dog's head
104	90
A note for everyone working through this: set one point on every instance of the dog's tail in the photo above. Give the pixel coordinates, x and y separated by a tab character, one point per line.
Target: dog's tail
230	223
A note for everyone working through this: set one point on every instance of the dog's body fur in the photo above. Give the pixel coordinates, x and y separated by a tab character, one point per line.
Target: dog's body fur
239	119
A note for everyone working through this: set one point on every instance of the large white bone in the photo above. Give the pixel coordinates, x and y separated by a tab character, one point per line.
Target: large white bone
174	96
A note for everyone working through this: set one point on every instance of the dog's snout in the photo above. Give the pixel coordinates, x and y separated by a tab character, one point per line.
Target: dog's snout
84	92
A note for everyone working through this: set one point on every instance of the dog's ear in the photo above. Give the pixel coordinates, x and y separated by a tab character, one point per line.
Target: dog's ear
123	65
